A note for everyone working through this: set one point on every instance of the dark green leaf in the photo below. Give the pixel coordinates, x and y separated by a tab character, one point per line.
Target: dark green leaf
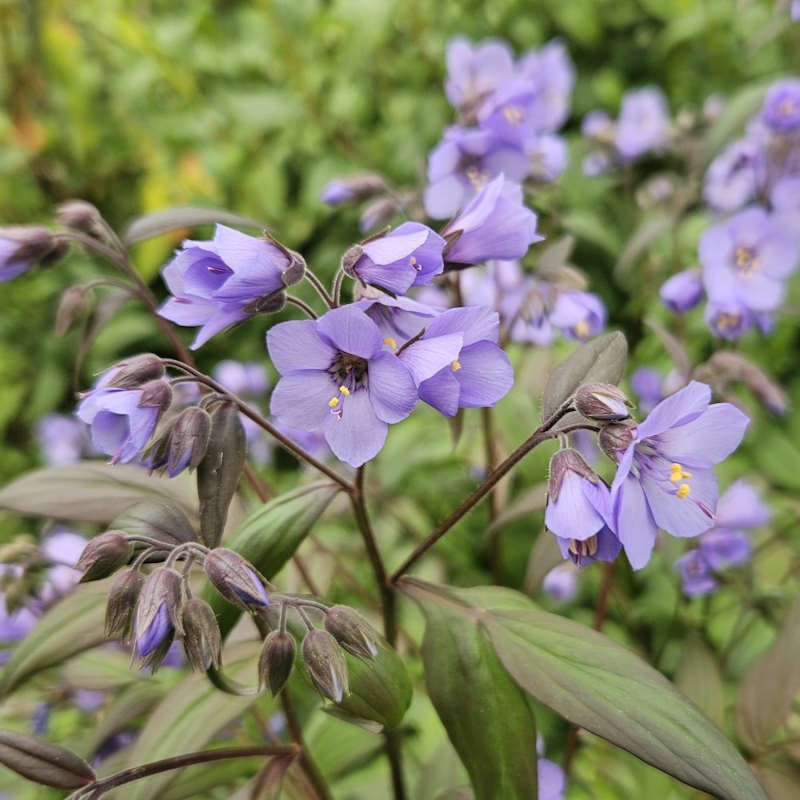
178	218
602	360
92	491
44	763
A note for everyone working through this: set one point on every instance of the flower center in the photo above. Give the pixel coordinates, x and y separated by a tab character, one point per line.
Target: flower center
514	115
677	475
727	322
746	262
581	329
582	549
415	264
787	108
350	372
476	176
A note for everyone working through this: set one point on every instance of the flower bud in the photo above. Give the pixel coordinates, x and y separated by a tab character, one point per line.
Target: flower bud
122	598
104	555
602	401
350	259
616	438
376	213
137	371
354	187
201	635
352	631
235	579
563	462
683	291
81	216
158	615
74	301
188	440
156	394
276	660
44	763
326	665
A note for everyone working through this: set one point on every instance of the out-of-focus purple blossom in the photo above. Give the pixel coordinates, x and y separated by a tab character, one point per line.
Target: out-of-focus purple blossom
88	700
113	744
664	478
219	282
647	385
697	579
561	583
746	260
548	155
478	372
463	163
13	261
474	71
643	125
731	319
410	255
245	379
339	377
735	176
62	439
596	163
123	420
552	780
62	548
552	73
781	108
578	315
598	125
722	548
509	112
491	285
742	507
353	187
785	200
495	225
683	291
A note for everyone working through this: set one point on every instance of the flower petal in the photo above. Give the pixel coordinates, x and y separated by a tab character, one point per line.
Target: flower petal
300	399
357	435
485	375
295	345
350	330
685	404
634	523
442	392
425	357
683	516
392	390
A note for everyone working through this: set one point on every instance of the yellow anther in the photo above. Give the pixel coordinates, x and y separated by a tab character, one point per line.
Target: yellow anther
391	342
455	366
344	390
581	329
676	467
587	547
333	402
678	473
683	490
513	114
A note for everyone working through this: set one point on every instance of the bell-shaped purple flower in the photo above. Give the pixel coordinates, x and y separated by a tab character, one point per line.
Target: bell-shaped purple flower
123	420
561	582
410	255
509	112
664	478
495	225
477	373
217	283
578	510
338	376
683	291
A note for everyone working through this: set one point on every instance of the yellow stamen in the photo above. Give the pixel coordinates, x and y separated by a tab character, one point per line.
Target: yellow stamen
581	329
391	342
333	402
683	490
455	366
678	473
588	547
513	114
344	390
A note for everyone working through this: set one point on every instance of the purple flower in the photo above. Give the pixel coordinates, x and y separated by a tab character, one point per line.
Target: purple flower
463	163
223	281
664	477
474	71
647	384
561	582
509	112
578	315
495	225
643	123
158	630
62	439
13	261
730	319
552	780
410	255
781	109
746	260
477	372
548	155
245	379
123	420
578	510
697	579
339	377
683	291
598	125
735	176
552	73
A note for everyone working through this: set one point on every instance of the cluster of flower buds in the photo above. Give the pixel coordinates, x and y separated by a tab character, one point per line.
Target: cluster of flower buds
22	247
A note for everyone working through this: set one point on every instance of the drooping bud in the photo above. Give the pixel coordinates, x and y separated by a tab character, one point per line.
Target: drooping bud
158	615
122	599
137	371
295	271
615	439
81	216
24	245
235	579
683	291
354	187
276	660
564	462
352	631
156	394
326	664
201	636
188	440
74	301
350	259
602	401
377	212
104	555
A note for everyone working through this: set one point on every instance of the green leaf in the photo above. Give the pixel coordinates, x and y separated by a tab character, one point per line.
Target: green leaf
769	687
591	228
545	554
486	715
528	502
180	217
593	682
75	623
270	535
602	360
91	491
650	228
189	717
699	677
160	521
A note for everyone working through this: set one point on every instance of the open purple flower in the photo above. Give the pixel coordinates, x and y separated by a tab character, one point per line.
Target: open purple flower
339	377
495	225
578	315
781	109
664	478
123	420
223	281
734	177
697	577
476	374
552	72
474	71
410	255
643	123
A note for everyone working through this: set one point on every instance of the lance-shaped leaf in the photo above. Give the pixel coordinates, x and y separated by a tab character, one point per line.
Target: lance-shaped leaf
700	679
218	473
180	217
162	521
769	687
593	682
485	713
92	491
270	535
72	625
44	763
602	360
